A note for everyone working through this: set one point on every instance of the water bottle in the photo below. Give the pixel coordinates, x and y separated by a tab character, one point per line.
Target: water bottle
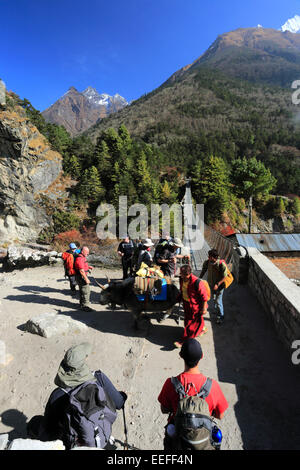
216	435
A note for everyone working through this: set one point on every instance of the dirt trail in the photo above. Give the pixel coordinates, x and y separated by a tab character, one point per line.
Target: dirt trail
255	372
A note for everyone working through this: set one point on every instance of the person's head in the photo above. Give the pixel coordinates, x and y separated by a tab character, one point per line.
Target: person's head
191	352
73	246
147	243
213	255
185	272
177	243
126	239
165	236
73	369
85	251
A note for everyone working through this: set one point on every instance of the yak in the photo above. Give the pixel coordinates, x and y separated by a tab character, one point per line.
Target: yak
121	293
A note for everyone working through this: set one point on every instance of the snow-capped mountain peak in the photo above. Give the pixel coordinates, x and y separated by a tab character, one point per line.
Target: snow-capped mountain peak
103	99
292	25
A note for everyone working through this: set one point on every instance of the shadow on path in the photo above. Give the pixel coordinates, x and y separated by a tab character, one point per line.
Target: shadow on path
250	355
17	420
119	321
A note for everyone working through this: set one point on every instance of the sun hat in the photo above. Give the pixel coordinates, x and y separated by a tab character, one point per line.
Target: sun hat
73	369
178	242
147	242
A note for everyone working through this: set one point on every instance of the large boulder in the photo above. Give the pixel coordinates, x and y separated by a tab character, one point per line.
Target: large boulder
19	257
28	167
51	324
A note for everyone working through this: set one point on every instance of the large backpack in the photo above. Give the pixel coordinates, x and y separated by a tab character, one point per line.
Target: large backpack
193	423
229	276
69	261
89	416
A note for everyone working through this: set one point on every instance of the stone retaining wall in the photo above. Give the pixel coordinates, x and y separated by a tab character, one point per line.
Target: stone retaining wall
277	294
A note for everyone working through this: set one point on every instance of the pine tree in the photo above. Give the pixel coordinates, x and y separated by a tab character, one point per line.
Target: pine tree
90	188
211	187
102	161
72	166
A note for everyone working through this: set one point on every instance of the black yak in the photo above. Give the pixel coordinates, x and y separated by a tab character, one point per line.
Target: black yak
122	293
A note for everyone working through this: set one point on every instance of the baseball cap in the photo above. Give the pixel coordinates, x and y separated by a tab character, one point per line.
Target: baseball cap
191	350
72	246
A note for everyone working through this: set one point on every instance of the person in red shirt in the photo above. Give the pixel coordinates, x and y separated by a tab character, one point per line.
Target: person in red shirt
192	380
81	270
194	296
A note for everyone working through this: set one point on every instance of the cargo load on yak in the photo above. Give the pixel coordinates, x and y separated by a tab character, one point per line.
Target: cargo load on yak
150	281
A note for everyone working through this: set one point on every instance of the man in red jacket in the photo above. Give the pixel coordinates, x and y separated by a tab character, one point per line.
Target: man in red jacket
192	380
81	269
194	293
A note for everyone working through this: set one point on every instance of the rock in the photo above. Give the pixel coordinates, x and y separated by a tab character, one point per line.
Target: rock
51	324
28	167
19	257
3	441
33	444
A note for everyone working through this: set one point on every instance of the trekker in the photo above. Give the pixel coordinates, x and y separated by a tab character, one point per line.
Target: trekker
178	246
144	254
192	381
162	243
166	259
216	274
81	270
82	409
194	294
69	260
125	251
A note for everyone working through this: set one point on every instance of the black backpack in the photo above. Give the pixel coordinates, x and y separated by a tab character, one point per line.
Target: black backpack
89	416
193	423
162	244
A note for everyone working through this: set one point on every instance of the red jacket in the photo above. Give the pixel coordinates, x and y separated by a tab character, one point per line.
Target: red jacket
81	263
197	296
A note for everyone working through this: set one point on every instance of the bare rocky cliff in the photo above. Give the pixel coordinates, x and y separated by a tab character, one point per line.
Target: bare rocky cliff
28	167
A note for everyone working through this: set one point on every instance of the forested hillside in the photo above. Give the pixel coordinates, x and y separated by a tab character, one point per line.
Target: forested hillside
205	113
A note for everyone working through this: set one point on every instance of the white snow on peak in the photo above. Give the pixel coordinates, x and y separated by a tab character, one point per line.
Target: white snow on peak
259	26
292	25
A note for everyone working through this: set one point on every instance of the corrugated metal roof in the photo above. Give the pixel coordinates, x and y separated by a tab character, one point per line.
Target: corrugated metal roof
270	242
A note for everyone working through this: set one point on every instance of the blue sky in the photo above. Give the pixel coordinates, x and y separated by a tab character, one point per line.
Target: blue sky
128	47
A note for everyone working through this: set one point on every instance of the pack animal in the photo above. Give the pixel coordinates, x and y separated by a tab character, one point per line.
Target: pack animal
122	293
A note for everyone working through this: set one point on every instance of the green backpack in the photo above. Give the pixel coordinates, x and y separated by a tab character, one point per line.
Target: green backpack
193	423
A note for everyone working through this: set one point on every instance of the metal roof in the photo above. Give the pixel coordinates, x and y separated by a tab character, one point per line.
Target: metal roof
269	242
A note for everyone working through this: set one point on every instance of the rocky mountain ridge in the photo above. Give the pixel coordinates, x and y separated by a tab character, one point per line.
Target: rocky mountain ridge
258	54
77	111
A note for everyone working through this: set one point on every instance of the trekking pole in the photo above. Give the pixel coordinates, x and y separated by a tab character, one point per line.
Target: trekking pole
125	429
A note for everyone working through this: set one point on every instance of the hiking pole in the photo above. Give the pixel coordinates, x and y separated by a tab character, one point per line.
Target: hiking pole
125	429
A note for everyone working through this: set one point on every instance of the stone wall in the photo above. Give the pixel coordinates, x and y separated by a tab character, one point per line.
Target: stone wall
277	294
